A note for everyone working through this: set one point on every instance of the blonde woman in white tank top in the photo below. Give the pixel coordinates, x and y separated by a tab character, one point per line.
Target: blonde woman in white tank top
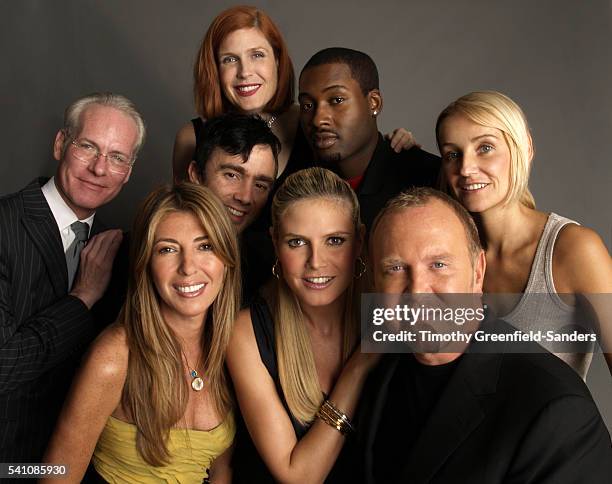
486	151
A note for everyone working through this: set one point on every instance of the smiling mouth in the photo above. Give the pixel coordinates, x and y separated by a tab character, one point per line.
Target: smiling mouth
247	89
92	185
474	186
319	282
190	290
234	212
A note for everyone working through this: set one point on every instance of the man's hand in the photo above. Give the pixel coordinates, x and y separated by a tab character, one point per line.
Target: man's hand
95	266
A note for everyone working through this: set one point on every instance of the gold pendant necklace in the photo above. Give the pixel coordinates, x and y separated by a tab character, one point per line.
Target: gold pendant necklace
196	383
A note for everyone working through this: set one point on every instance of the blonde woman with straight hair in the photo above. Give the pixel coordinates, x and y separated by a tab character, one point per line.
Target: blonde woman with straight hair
292	356
563	270
151	401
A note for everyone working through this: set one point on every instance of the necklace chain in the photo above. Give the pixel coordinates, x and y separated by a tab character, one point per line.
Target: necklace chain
270	121
197	383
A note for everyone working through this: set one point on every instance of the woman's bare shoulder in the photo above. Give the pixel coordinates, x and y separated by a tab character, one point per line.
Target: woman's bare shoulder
581	262
109	353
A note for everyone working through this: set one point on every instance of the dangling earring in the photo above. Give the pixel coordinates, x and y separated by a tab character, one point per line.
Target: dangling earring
275	270
362	268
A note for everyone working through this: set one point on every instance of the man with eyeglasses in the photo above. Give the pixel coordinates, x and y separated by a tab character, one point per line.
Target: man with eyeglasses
55	265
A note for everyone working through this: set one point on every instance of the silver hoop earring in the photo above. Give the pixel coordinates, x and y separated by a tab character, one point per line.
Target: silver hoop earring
275	270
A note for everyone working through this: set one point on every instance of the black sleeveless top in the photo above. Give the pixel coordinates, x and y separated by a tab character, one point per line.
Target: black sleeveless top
247	466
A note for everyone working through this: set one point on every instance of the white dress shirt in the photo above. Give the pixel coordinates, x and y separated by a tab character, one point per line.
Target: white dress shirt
63	214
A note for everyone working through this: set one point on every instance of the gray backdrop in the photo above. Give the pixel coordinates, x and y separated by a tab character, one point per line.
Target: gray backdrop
552	56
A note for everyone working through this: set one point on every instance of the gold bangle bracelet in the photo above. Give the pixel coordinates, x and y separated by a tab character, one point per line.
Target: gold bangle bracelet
333	417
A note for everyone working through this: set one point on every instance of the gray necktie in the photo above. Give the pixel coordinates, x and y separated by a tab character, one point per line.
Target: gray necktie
81	231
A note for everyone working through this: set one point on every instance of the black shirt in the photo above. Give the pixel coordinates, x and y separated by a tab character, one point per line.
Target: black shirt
414	390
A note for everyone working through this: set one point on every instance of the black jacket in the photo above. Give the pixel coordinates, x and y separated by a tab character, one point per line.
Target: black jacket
43	330
389	173
511	418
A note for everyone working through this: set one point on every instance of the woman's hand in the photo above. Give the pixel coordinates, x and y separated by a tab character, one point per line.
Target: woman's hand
401	139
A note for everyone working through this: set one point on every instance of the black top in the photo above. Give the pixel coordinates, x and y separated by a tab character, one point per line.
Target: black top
256	245
389	173
247	466
413	392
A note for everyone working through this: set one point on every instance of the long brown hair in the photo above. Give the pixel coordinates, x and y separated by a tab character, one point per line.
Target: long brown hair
208	95
155	393
296	365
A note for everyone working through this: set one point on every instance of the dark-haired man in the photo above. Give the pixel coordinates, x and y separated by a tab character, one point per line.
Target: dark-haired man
237	158
490	415
340	100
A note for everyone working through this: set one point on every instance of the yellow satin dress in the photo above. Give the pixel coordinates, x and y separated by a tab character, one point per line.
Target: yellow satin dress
193	451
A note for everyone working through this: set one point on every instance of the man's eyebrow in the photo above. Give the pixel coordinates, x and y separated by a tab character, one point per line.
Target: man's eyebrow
93	143
391	261
335	86
264	178
231	166
445	255
328	88
240	169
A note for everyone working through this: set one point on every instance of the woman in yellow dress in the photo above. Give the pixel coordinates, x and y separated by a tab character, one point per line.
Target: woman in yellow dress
151	402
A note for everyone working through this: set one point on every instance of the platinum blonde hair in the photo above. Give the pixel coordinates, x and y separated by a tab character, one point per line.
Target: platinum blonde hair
496	110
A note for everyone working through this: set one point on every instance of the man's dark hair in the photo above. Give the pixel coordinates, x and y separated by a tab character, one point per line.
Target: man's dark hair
362	67
236	134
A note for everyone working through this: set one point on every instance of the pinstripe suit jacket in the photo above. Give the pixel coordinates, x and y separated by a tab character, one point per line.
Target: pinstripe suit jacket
43	330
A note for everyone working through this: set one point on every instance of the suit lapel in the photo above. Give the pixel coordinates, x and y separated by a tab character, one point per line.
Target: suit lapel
455	416
42	229
97	227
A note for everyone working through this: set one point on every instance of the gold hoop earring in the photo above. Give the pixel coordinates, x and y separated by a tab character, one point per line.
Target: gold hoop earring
362	268
275	270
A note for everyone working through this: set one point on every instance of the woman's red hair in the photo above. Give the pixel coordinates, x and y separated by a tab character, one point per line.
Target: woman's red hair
209	98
